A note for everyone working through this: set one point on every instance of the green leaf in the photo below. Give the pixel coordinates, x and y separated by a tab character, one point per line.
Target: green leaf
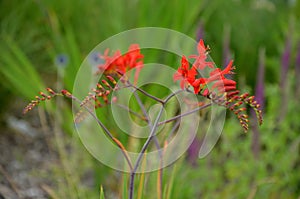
101	193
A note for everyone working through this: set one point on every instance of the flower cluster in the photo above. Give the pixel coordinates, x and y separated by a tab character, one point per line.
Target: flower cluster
98	96
114	66
187	75
120	64
216	87
222	90
102	91
39	98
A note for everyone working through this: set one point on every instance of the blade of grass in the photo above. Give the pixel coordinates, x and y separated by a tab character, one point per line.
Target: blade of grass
142	179
49	191
159	184
101	193
21	74
169	187
75	57
24	62
124	186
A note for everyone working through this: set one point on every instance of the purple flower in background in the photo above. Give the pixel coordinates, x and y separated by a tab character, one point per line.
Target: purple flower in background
61	60
297	71
200	31
260	90
94	59
298	59
285	62
193	151
260	98
226	46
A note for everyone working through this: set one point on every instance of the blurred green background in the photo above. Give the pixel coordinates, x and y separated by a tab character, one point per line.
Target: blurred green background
265	34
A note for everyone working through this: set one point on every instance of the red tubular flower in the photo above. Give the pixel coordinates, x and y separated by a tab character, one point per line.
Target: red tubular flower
107	66
134	56
185	75
222	91
134	59
224	85
200	61
199	84
220	74
119	63
218	81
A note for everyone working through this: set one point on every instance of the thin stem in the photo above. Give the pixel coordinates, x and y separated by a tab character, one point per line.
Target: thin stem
133	112
173	129
141	106
106	131
150	127
146	116
170	96
94	116
145	93
151	136
146	144
185	114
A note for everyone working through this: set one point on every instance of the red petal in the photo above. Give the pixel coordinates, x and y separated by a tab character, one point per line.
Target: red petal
230	88
201	47
229	82
217	71
182	84
177	76
184	63
205	92
228	68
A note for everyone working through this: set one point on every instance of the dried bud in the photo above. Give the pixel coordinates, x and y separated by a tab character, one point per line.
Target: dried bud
66	93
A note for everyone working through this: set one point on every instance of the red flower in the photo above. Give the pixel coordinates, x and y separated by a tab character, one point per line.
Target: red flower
200	61
199	84
108	66
133	58
219	74
216	77
216	86
224	85
218	80
119	63
184	74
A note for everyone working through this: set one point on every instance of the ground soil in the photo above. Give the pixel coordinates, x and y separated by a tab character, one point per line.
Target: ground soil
24	160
